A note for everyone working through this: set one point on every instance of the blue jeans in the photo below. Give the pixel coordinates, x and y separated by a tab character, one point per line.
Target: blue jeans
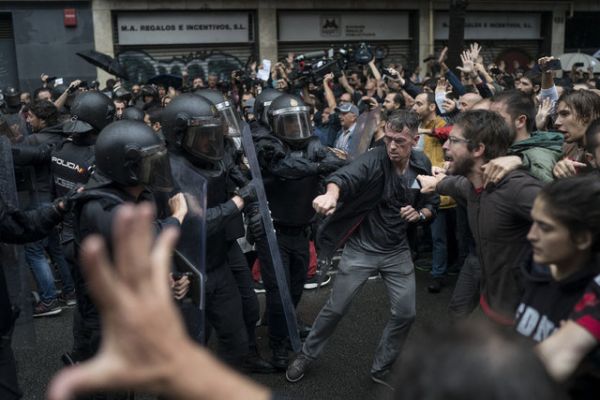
36	258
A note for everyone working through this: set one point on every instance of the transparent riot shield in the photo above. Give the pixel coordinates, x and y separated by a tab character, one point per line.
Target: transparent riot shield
286	299
366	126
190	252
13	262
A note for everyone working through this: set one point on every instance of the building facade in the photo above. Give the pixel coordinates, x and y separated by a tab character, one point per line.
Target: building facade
153	37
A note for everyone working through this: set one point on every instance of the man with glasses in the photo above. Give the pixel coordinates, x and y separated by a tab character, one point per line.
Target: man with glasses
499	214
370	203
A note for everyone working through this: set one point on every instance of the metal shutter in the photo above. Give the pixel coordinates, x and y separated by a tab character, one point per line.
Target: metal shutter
142	63
399	51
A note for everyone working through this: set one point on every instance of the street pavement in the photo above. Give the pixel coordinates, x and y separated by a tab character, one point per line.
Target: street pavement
341	373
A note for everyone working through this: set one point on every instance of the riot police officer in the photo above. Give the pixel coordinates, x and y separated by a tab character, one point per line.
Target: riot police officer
72	161
293	162
12	109
235	227
72	164
260	126
195	132
131	164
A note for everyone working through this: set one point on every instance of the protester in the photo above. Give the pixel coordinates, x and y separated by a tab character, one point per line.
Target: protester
306	119
499	216
371	204
48	132
159	358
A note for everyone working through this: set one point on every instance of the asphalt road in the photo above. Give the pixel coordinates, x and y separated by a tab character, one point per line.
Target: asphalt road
341	373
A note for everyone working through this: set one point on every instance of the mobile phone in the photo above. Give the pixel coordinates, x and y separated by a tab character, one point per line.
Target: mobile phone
553	65
578	65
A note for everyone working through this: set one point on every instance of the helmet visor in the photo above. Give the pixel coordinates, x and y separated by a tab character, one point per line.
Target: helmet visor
204	138
292	123
154	170
232	119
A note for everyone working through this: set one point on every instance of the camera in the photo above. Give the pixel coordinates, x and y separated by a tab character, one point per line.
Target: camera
312	67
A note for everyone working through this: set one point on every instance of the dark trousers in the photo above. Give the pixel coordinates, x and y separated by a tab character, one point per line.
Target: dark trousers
465	297
9	385
295	257
243	277
224	314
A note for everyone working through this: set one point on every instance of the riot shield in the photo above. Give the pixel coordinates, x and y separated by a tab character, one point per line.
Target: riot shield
13	258
286	299
190	251
366	125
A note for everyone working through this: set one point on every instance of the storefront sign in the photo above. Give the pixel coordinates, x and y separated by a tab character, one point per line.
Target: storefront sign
183	27
493	26
342	26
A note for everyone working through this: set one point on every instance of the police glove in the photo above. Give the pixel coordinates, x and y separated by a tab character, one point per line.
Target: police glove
248	192
327	167
255	228
65	203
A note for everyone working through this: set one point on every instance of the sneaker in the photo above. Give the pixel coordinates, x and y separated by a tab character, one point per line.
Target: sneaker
313	283
383	378
259	287
297	368
68	299
44	309
435	285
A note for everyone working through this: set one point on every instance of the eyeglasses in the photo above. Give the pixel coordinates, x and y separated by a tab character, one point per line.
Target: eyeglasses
455	140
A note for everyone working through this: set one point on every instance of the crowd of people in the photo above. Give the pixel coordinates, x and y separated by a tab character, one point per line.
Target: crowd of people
484	172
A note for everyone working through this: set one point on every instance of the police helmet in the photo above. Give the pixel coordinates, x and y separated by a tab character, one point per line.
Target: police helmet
263	102
90	112
289	119
12	97
133	114
130	153
149	91
225	107
195	125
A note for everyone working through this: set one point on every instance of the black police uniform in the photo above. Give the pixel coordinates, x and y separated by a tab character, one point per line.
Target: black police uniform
292	172
120	153
17	227
223	301
194	130
235	256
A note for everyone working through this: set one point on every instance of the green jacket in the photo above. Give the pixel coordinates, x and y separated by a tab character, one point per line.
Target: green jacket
539	153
